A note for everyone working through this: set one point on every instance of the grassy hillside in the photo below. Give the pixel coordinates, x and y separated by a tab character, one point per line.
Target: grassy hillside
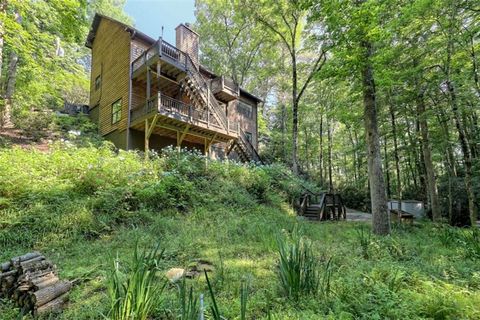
84	207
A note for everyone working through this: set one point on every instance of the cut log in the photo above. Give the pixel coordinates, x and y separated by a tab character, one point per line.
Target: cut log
25	257
54	305
26	263
47	294
5	266
7	273
46	283
36	266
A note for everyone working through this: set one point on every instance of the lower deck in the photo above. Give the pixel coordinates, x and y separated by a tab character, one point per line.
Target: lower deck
176	121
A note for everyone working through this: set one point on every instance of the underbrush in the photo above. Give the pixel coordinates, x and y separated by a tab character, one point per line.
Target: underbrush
85	208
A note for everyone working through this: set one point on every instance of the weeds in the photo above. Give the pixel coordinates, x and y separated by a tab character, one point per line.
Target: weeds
471	239
364	238
132	291
189	308
298	268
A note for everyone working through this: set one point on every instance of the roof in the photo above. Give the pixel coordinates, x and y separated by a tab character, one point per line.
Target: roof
96	23
138	34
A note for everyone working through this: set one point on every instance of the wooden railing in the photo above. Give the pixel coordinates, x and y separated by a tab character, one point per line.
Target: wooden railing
249	147
221	83
183	60
163	48
207	95
165	104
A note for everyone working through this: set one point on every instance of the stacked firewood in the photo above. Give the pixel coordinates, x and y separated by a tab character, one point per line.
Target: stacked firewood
32	282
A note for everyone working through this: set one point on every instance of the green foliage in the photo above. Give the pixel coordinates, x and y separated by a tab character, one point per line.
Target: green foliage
133	291
298	267
189	308
77	218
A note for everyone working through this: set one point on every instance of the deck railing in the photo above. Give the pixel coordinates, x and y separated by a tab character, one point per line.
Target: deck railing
183	60
164	48
166	105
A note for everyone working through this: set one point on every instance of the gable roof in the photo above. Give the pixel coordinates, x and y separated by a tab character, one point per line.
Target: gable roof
135	33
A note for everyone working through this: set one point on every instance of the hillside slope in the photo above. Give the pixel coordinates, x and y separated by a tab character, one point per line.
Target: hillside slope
83	207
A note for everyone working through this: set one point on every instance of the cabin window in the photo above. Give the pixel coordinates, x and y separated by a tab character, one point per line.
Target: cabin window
116	111
248	135
98	83
245	109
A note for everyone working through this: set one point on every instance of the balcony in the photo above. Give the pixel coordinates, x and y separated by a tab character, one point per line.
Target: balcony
175	115
174	60
225	89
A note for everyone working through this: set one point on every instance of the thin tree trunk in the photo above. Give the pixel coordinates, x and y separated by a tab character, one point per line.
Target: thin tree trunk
467	156
355	156
427	157
320	156
294	113
381	217
10	90
396	156
387	171
329	134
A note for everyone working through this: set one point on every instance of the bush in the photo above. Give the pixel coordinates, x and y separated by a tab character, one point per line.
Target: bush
34	124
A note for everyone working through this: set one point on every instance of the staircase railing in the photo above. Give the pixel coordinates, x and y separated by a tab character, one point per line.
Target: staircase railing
183	60
207	95
249	147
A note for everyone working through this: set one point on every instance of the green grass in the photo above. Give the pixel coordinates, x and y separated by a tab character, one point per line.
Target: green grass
85	207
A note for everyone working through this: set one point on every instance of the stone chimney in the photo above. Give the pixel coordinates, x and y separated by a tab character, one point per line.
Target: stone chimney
187	41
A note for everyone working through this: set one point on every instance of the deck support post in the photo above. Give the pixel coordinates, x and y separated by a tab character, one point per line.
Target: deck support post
181	136
148	132
147	138
208	106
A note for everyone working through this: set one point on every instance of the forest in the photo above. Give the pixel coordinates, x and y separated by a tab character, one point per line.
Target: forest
371	99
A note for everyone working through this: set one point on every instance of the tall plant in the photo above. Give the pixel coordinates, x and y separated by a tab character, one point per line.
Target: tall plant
298	268
133	291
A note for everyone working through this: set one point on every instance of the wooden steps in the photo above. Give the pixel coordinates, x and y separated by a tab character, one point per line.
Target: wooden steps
322	207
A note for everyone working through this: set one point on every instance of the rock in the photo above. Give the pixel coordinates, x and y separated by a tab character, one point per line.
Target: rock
175	274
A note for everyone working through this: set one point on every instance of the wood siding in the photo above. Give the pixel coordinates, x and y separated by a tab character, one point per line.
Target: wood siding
246	124
110	61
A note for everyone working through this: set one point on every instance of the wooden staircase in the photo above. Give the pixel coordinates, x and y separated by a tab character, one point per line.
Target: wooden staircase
322	207
198	91
245	150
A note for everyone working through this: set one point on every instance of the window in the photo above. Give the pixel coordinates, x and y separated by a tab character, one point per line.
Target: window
98	83
245	109
248	135
116	111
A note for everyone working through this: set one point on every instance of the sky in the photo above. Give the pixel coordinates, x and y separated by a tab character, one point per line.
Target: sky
150	15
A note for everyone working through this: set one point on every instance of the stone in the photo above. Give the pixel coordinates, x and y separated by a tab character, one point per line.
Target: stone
175	274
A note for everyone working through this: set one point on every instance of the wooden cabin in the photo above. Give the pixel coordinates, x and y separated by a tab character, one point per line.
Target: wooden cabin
149	94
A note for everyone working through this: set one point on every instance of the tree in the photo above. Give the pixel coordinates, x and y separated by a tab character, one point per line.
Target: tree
285	20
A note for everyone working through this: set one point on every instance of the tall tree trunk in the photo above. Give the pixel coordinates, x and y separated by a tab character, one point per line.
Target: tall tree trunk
387	171
320	156
284	132
307	158
294	114
355	156
427	157
396	156
329	134
10	90
466	151
381	217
